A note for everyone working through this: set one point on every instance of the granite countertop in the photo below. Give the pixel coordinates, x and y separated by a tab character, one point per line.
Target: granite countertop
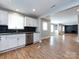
12	33
17	33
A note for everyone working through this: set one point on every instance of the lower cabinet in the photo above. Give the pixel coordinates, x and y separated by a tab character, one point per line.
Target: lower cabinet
21	39
36	37
11	41
3	43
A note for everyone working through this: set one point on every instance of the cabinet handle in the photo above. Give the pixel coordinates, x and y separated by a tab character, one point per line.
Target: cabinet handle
0	38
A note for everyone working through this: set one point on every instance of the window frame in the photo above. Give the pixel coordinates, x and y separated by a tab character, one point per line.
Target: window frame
45	25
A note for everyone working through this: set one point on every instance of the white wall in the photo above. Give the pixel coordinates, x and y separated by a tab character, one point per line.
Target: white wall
44	34
66	20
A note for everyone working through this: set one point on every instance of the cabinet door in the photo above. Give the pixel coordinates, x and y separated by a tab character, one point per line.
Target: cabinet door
3	17
36	37
28	23
12	41
34	23
0	44
15	21
25	21
3	43
21	39
31	22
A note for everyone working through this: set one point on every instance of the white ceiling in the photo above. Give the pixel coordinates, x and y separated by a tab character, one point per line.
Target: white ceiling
26	6
43	7
65	20
66	4
70	11
68	16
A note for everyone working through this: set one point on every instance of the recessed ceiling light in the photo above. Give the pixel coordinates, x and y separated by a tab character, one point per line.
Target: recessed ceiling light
34	10
78	10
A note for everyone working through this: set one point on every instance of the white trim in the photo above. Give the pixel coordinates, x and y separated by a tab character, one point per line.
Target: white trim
45	37
12	49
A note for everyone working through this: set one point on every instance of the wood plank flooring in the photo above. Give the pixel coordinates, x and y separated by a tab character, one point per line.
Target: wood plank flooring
61	47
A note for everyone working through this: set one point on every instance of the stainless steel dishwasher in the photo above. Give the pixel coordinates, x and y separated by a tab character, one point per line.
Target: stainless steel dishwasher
29	38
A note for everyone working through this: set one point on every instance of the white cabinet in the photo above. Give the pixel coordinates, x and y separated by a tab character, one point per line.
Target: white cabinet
15	21
30	22
3	17
21	39
36	37
34	23
3	43
16	40
11	41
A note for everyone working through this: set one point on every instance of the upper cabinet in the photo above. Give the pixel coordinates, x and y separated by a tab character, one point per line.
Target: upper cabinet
3	17
30	22
15	21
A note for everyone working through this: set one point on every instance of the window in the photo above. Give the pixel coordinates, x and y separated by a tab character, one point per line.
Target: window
52	28
63	28
45	26
15	21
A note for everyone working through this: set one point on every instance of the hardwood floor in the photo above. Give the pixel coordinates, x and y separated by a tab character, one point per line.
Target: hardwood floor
61	47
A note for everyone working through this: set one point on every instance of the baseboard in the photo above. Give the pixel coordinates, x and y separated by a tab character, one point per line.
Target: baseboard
45	37
41	39
12	49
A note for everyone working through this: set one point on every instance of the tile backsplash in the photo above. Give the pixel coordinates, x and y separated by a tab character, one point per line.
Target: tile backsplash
4	29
